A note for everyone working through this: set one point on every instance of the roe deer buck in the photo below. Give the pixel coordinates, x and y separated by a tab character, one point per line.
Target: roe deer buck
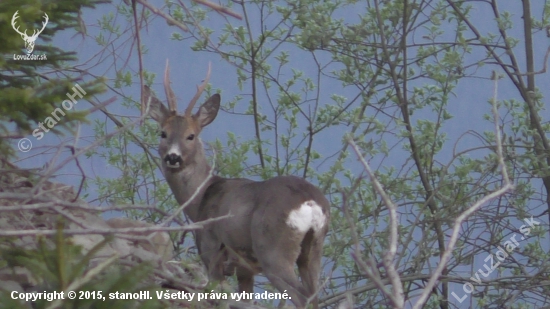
274	224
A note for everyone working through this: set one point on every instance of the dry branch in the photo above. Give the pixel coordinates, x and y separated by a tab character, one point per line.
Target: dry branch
397	298
464	215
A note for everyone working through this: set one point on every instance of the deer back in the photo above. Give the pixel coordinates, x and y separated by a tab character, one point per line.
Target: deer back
263	213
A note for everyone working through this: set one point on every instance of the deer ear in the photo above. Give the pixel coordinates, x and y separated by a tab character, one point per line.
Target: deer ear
157	110
208	111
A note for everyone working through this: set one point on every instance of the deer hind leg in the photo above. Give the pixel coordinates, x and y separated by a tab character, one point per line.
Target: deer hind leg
309	265
282	276
277	259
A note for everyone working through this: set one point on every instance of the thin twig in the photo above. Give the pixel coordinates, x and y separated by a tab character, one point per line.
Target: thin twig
81	172
464	215
79	282
220	9
168	221
371	272
541	71
139	55
119	124
104	231
397	297
49	172
168	18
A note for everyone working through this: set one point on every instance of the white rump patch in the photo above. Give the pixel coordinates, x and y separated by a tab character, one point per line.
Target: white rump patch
308	216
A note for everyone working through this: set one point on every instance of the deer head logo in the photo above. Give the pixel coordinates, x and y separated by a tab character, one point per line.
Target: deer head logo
29	40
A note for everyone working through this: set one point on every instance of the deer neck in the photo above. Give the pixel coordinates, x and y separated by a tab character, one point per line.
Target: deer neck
185	182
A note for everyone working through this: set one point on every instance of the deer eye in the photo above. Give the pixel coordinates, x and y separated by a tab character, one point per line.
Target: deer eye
163	134
191	137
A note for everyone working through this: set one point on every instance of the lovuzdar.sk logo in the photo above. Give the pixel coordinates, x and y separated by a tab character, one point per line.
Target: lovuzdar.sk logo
29	39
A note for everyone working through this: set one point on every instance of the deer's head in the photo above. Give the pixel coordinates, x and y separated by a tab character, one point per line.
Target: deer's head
29	40
179	137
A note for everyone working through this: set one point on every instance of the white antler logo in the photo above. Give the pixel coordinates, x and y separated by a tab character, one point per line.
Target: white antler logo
29	40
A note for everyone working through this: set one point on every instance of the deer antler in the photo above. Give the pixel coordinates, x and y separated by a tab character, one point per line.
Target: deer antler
200	89
15	16
34	33
170	96
44	23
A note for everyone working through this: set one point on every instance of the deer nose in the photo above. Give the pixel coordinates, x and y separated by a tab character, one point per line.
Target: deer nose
173	160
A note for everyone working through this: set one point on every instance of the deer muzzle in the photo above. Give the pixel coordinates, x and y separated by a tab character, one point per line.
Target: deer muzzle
173	161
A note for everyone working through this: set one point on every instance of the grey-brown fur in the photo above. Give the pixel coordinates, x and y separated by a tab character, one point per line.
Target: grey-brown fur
257	237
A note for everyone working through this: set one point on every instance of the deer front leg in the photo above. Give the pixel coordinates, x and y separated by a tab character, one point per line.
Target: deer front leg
213	255
246	280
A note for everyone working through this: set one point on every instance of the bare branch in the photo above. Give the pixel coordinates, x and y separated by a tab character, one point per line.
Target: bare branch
541	71
168	18
397	297
52	169
139	55
464	215
105	231
193	196
218	8
72	148
79	282
369	268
